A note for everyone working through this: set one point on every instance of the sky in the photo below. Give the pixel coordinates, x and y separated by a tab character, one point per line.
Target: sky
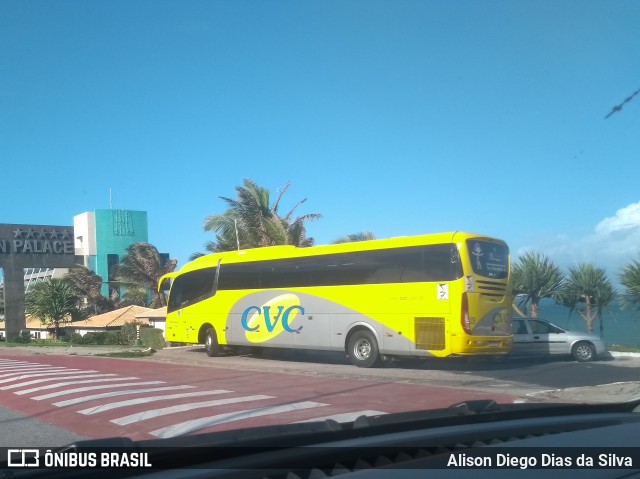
398	117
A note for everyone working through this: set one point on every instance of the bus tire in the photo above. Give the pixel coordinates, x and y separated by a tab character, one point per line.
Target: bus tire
211	342
363	350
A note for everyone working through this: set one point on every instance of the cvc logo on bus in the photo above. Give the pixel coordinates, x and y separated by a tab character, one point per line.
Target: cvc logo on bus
276	316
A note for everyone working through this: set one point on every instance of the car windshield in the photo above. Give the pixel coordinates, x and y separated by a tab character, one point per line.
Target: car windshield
359	208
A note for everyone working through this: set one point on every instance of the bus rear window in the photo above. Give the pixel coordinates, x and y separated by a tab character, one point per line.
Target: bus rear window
488	259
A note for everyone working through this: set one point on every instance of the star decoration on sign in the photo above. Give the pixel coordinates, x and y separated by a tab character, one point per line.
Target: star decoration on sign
18	233
65	234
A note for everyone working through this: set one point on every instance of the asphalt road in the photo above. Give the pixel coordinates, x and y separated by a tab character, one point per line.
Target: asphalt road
556	372
20	430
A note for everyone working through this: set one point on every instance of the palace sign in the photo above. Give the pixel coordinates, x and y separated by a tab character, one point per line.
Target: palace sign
30	246
45	240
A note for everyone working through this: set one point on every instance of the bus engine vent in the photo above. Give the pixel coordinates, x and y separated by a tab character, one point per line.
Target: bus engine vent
491	288
429	333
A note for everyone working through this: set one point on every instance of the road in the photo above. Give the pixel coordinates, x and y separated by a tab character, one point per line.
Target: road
57	398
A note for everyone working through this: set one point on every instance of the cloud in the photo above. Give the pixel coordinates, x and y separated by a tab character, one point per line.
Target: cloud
625	221
614	242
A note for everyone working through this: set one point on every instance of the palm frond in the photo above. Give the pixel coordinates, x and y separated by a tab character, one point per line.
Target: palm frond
629	278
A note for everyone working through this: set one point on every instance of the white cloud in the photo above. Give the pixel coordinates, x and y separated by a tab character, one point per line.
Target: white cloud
625	220
615	241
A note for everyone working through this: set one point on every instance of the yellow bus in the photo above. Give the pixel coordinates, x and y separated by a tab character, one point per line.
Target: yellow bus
437	295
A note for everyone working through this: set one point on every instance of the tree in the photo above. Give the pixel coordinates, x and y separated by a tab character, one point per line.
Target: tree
362	236
588	285
53	302
87	284
630	279
535	276
252	221
134	296
142	267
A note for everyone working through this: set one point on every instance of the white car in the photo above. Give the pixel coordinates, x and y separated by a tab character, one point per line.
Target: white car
537	337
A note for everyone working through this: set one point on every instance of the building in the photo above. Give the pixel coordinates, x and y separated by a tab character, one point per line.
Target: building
156	318
30	254
113	320
33	325
102	238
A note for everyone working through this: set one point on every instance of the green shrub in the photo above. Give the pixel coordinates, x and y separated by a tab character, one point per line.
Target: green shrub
76	339
24	337
128	334
112	337
95	337
151	338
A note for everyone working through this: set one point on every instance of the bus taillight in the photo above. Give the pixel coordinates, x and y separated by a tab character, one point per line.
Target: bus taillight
464	314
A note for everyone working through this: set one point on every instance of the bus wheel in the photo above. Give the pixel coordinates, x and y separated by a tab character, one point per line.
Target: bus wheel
211	343
362	349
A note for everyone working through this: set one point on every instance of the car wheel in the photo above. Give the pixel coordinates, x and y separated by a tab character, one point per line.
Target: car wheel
583	352
211	343
362	349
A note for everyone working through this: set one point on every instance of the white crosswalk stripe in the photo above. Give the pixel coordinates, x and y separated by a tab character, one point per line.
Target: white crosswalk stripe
72	375
148	399
186	427
144	415
19	363
28	367
92	388
26	379
70	402
31	369
101	379
42	374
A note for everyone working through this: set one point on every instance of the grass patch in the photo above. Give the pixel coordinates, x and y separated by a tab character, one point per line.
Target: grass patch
58	344
623	348
127	354
37	344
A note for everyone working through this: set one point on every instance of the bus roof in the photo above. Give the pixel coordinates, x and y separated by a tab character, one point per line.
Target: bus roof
289	251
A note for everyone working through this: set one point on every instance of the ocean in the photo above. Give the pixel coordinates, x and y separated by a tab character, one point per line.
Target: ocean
618	326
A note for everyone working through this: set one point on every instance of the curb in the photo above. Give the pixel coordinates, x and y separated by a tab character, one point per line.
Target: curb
618	354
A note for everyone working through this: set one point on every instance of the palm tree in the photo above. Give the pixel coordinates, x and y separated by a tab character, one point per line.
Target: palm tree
142	267
535	276
362	236
53	302
251	221
630	279
589	285
134	296
87	284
